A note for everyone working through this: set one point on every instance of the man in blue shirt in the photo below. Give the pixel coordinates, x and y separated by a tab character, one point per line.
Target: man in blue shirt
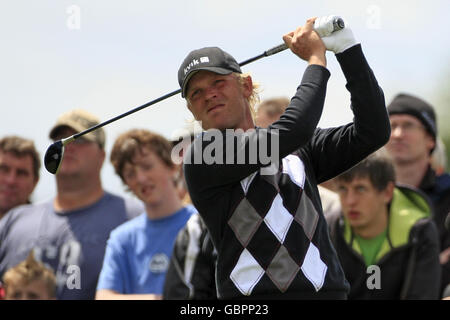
138	252
69	233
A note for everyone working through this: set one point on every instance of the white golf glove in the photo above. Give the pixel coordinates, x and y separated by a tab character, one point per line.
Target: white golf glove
337	41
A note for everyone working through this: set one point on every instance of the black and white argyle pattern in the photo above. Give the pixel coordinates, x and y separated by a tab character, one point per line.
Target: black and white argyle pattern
273	224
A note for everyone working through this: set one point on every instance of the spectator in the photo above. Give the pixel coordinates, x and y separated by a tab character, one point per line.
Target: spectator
413	139
270	110
19	172
29	280
386	226
69	232
268	227
138	252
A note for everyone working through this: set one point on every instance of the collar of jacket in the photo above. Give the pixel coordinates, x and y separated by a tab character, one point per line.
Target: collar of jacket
428	180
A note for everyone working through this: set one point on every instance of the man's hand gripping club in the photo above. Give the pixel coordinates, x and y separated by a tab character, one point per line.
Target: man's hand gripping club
306	44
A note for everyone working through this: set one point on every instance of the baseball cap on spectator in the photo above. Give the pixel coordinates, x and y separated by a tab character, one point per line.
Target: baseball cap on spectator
80	120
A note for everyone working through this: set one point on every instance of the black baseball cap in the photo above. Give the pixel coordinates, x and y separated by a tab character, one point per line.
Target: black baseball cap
210	58
416	107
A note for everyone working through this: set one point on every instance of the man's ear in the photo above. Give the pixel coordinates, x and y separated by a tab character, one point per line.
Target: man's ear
35	182
102	156
389	192
430	142
176	174
247	86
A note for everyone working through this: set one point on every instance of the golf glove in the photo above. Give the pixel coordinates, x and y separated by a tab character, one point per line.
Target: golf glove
337	41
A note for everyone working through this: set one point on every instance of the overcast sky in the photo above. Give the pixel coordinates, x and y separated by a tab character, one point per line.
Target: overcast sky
109	56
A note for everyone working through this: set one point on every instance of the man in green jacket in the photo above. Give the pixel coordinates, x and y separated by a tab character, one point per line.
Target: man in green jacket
385	238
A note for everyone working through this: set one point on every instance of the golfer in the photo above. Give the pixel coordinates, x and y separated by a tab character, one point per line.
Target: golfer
268	226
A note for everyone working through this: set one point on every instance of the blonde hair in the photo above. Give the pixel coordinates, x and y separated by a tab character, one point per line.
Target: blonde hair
254	99
28	271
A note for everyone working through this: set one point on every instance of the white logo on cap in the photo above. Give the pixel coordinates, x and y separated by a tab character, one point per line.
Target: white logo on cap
195	62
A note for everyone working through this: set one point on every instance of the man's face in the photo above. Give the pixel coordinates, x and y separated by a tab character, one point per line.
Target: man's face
361	203
81	157
409	139
35	290
219	101
149	178
17	180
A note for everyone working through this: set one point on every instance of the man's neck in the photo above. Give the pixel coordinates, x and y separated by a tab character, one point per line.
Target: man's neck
163	209
247	120
411	173
70	198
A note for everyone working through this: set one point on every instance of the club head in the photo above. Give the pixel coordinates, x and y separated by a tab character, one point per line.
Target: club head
53	157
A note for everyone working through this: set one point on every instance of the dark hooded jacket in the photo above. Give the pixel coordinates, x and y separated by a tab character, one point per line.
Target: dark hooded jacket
408	260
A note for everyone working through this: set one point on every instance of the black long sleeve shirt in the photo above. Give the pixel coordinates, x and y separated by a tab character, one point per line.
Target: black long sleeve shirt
269	229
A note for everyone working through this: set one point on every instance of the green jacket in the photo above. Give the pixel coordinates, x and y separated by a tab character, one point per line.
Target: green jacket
408	260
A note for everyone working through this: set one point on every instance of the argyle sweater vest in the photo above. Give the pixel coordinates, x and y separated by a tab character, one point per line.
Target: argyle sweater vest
277	240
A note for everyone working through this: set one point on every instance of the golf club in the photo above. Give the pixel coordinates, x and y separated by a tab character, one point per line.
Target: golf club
54	154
